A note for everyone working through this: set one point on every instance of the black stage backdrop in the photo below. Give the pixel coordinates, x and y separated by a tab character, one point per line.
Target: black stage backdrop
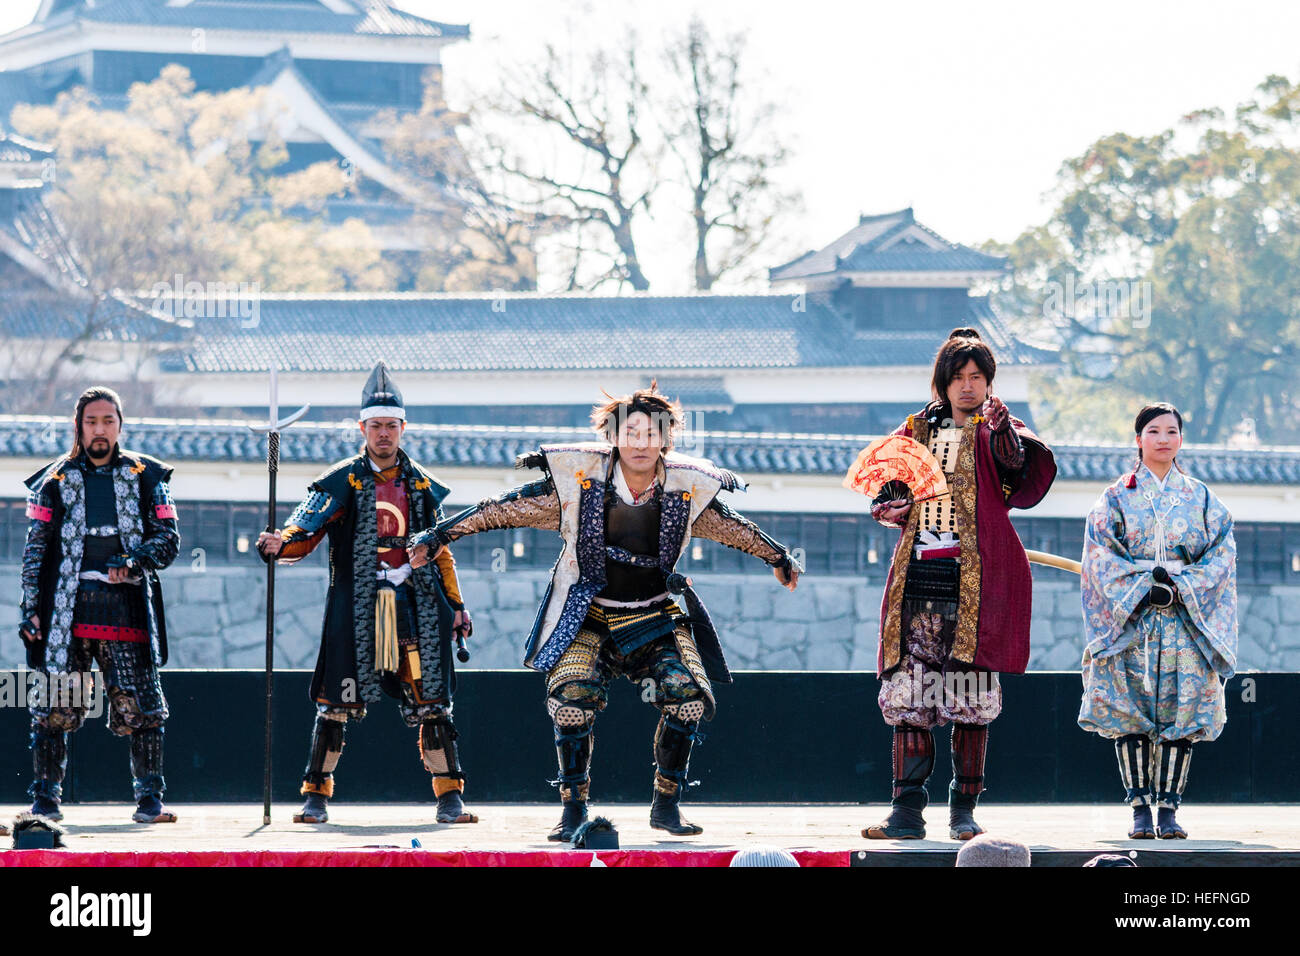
779	737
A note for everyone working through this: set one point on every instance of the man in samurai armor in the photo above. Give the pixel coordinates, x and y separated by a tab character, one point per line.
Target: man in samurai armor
102	525
388	624
626	509
956	605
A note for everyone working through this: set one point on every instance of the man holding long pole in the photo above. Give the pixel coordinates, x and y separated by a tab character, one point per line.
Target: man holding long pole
388	626
273	428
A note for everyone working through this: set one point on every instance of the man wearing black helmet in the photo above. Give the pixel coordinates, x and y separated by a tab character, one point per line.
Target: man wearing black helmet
388	625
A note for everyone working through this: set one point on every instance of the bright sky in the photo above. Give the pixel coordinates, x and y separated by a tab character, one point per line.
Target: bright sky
962	110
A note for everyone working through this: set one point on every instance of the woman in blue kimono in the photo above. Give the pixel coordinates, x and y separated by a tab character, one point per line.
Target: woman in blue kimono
1160	620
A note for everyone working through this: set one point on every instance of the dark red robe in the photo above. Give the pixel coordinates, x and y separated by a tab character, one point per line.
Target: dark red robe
997	589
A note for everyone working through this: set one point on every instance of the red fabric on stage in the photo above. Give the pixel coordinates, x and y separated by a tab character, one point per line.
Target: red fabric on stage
394	857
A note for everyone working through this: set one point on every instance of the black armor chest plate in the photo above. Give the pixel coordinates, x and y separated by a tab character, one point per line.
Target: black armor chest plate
101	514
633	528
101	501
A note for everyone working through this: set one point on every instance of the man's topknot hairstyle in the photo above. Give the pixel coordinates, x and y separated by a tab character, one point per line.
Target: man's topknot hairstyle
607	417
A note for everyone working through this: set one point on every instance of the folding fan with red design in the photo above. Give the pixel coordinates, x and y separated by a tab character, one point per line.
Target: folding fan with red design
896	458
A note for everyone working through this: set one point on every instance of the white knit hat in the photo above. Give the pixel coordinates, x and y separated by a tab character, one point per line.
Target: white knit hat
763	856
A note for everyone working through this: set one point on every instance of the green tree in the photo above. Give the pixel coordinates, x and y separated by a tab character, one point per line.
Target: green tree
1198	227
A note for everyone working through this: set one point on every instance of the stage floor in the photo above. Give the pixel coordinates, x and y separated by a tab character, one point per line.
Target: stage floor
1237	831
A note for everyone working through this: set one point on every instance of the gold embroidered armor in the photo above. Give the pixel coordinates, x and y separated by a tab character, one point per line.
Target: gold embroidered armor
938	517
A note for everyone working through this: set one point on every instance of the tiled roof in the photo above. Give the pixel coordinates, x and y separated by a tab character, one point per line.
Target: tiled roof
64	309
40	313
20	149
697	392
449	446
432	332
880	244
33	225
373	17
282	61
373	213
17	88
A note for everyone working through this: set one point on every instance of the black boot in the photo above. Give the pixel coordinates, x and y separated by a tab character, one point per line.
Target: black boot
1173	758
572	816
315	809
451	808
665	814
318	780
147	782
913	763
961	816
1133	752
1167	827
969	745
441	756
45	799
49	760
1143	828
574	741
672	749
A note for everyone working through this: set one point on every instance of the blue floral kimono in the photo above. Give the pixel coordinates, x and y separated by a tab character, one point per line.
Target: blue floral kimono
1159	672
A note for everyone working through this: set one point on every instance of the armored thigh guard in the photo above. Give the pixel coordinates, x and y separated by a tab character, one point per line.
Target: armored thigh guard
135	696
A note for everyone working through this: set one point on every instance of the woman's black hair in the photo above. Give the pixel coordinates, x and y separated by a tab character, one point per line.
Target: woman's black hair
1150	413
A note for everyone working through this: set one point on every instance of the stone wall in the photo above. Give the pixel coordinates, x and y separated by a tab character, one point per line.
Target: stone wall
217	618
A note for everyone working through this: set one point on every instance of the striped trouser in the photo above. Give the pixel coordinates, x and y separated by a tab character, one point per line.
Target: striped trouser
1153	771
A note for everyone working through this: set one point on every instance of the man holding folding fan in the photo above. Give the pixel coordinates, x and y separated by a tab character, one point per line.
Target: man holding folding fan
956	605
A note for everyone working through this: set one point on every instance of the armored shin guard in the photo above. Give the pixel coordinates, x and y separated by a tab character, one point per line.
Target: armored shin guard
440	755
49	761
574	740
441	758
1133	751
147	763
969	744
913	764
1173	758
674	737
326	748
676	734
